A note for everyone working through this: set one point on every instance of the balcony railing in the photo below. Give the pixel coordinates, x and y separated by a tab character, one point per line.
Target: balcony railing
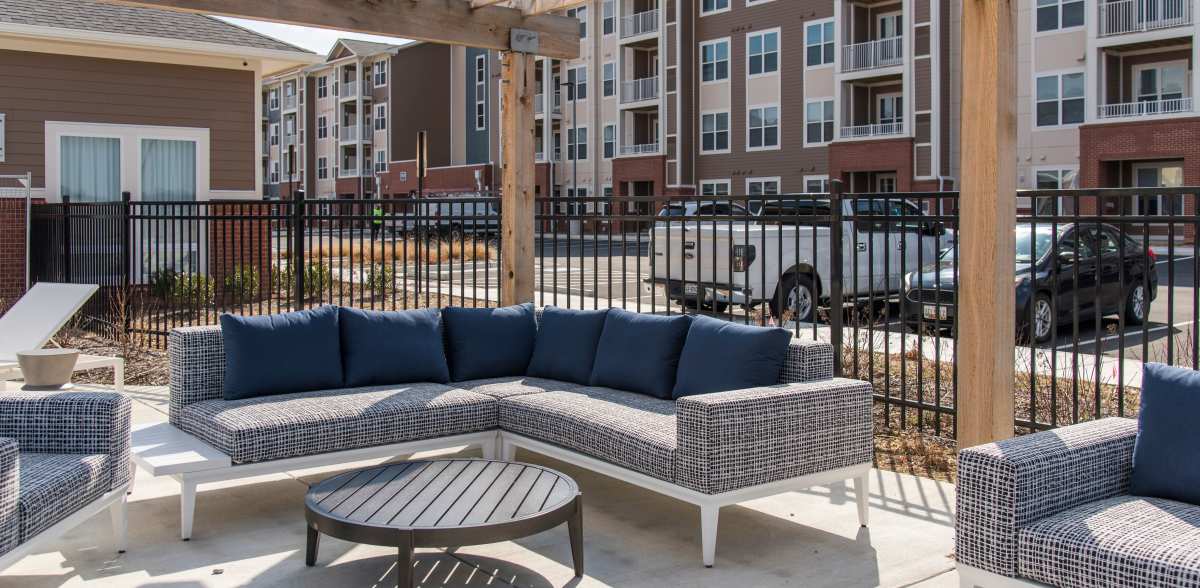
639	90
540	103
349	90
289	102
1135	16
643	149
349	134
642	23
873	54
348	173
1145	108
875	130
289	140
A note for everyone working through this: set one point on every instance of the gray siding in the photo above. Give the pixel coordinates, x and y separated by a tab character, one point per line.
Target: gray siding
476	141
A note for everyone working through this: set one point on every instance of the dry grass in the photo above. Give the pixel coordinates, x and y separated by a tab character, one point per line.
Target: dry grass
406	251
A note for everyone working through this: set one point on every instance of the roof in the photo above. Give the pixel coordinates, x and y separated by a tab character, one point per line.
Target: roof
89	15
358	47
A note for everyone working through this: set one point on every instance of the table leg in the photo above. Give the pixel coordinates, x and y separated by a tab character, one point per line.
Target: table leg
404	561
575	529
314	542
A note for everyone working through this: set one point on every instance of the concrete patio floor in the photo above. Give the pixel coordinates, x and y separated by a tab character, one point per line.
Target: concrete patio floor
252	533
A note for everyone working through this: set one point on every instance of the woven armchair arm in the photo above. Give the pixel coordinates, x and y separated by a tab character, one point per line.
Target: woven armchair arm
196	356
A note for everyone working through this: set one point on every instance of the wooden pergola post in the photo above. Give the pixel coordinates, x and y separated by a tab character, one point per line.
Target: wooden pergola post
517	192
987	220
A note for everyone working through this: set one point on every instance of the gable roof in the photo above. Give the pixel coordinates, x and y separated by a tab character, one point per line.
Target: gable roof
361	48
89	15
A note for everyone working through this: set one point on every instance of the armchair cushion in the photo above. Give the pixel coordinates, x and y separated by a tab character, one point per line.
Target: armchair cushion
639	352
489	342
719	356
281	353
392	347
10	516
565	348
1124	541
55	485
1165	461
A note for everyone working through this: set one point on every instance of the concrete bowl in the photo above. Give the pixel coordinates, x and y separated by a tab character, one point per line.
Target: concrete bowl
47	369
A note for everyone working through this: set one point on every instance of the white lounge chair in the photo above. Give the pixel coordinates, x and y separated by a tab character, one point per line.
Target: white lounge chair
38	316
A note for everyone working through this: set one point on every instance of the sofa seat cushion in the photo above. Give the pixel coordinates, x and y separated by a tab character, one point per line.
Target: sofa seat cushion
313	423
53	486
1120	541
515	386
631	430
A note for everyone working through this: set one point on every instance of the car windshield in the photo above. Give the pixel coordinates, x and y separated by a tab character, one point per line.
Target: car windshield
1033	245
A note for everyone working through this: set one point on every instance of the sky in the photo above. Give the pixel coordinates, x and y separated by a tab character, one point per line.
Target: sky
317	40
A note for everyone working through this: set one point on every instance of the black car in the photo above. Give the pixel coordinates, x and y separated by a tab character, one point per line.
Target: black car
1082	268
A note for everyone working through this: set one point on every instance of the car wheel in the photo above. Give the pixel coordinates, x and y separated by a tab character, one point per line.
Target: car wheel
795	293
1043	319
1137	305
717	307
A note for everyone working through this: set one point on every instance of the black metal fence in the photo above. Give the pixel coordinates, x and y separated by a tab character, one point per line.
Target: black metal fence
1104	280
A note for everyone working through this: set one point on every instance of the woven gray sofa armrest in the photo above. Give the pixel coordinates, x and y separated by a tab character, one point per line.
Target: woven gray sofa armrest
10	484
743	438
71	422
1005	486
196	356
807	361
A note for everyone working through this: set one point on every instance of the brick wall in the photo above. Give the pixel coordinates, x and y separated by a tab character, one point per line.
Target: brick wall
884	155
237	243
12	250
459	178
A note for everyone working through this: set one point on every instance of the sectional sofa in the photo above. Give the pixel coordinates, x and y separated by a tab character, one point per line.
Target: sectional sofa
714	449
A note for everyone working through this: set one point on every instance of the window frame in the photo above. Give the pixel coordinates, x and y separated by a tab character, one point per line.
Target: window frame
716	182
1034	10
824	183
322	86
608	18
822	23
716	114
1058	75
727	42
833	121
610	145
322	168
608	85
763	34
778	127
481	76
577	137
715	9
765	180
379	72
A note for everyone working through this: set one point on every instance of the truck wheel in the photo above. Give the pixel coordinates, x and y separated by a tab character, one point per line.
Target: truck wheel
796	294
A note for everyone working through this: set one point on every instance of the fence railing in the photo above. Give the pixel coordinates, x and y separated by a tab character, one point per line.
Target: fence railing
1104	280
641	23
1136	16
1145	108
873	54
639	90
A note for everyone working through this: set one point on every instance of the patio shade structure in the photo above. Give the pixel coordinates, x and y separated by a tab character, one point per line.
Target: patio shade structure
523	28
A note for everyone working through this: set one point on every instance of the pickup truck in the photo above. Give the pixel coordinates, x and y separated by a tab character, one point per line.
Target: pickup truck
751	259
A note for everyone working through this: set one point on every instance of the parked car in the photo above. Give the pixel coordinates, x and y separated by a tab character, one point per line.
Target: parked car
456	217
1085	268
713	208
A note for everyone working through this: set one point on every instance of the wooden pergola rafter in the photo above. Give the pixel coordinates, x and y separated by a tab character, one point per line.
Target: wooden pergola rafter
525	28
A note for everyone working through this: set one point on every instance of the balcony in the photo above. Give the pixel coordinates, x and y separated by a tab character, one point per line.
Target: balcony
642	149
350	134
289	102
349	90
289	140
347	173
1125	17
642	23
539	103
875	54
870	131
1145	108
639	90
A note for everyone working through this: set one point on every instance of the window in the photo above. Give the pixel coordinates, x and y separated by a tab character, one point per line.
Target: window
714	61
322	86
1160	82
380	162
91	168
480	92
1053	179
763	128
381	71
610	141
891	109
816	184
818	122
322	127
762	186
1060	99
274	132
274	99
580	13
714	188
577	83
714	132
381	117
610	79
710	6
557	146
274	172
577	143
763	49
610	17
322	168
818	43
1059	14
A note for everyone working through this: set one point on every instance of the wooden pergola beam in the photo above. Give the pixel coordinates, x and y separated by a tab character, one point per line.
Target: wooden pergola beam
987	222
454	22
530	6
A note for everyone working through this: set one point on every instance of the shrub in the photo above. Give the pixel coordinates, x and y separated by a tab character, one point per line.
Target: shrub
381	279
187	289
242	282
317	279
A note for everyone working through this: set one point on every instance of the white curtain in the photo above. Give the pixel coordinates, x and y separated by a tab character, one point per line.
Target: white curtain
168	170
91	169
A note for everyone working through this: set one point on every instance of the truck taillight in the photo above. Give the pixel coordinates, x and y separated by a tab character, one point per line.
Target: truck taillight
742	257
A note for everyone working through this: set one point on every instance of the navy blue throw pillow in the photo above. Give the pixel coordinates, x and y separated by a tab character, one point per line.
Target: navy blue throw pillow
281	353
639	352
1166	463
720	356
489	342
392	347
565	348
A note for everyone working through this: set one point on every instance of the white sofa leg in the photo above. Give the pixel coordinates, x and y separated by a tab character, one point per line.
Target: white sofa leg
120	523
862	491
490	448
119	376
187	508
508	451
708	533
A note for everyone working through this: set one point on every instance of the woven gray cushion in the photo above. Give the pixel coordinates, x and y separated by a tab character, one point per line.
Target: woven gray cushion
628	429
55	485
1126	541
313	423
515	386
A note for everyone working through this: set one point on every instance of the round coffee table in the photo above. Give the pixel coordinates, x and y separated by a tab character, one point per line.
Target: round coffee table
443	503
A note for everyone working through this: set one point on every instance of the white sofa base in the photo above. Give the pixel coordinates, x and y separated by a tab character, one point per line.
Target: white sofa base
973	577
710	504
113	500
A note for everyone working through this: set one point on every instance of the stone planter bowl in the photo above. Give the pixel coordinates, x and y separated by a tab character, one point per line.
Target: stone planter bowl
47	369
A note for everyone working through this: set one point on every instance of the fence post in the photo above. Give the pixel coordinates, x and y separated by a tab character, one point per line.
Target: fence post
837	273
126	264
297	260
66	237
